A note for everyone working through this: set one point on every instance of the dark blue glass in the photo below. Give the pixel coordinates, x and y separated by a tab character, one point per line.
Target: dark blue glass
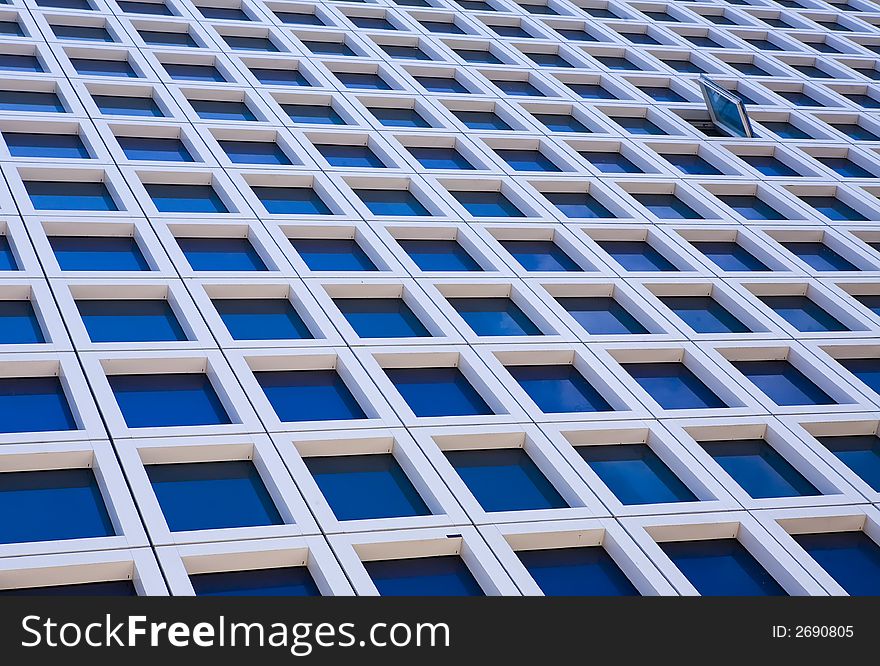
721	567
819	256
328	48
49	505
549	59
333	254
635	474
704	314
261	319
248	43
855	131
494	316
212	495
7	257
185	198
291	200
309	395
23	144
404	52
113	588
527	160
610	162
517	88
82	32
783	383
168	38
505	480
803	313
281	582
344	155
759	468
440	576
439	255
441	84
637	256
850	558
392	202
730	256
221	254
487	204
98	253
136	7
446	27
15	62
440	158
866	369
130	320
558	122
313	114
751	207
601	315
870	301
482	56
154	148
167	400
673	386
638	125
578	204
511	31
834	209
691	164
481	120
662	94
845	167
93	67
438	392
540	255
255	152
188	72
397	117
865	101
584	571
362	81
861	453
576	35
34	404
215	109
667	206
559	388
785	130
11	28
639	38
381	318
297	18
48	195
684	66
769	165
366	487
618	63
279	77
82	5
128	106
224	13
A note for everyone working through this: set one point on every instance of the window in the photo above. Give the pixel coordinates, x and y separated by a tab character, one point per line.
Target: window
582	571
439	255
481	56
637	256
34	404
834	209
299	18
704	314
363	81
314	114
167	400
721	567
481	120
95	67
154	148
212	495
667	206
381	317
558	389
224	13
212	109
113	588
70	195
82	32
328	48
366	487
276	582
309	395
136	7
391	202
540	255
7	257
279	77
291	200
441	576
691	164
24	144
167	38
730	256
601	315
441	84
638	125
852	559
261	319
673	386
128	106
517	88
220	254
526	160
487	204
437	392
397	117
351	156
185	198
19	62
866	369
440	158
98	253
769	165
494	316
558	122
759	468
245	43
255	152
861	453
803	313
332	254
405	52
122	320
26	101
189	72
783	383
578	204
819	256
751	207
846	167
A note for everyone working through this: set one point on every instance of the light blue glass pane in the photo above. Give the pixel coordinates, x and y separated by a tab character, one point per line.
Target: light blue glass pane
526	160
637	256
440	158
487	204
751	207
667	206
392	202
562	123
153	148
730	256
26	101
481	120
395	117
540	256
13	62
128	106
89	67
578	204
279	77
212	109
314	114
255	152
291	201
342	155
184	72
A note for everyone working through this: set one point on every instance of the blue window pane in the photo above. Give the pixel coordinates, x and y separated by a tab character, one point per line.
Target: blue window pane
866	369
505	480
637	256
576	35
405	52
360	81
130	320
47	195
610	162
578	204
135	7
212	109
834	209
559	388
262	319
128	106
662	94
291	201
482	56
684	66
511	31
691	164
392	202
517	88
751	207
167	400
617	62
22	144
730	256
34	404
396	117
721	567
185	72
442	576
26	101
667	206
704	314
82	32
635	474
7	257
494	316
52	504
153	148
279	77
313	114
783	383
861	453
487	204
481	120
441	84
11	29
98	253
333	254
224	13
584	571
342	155
870	301
819	256
298	18
855	131
439	255
164	38
438	392
14	62
245	43
212	495
549	60
309	395
255	152
90	67
638	125
440	158
366	487
446	27
381	318
673	386
527	160
221	254
83	5
540	256
185	198
557	122
845	167
328	48
113	588
803	313
759	468
281	582
785	130
850	558
601	315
